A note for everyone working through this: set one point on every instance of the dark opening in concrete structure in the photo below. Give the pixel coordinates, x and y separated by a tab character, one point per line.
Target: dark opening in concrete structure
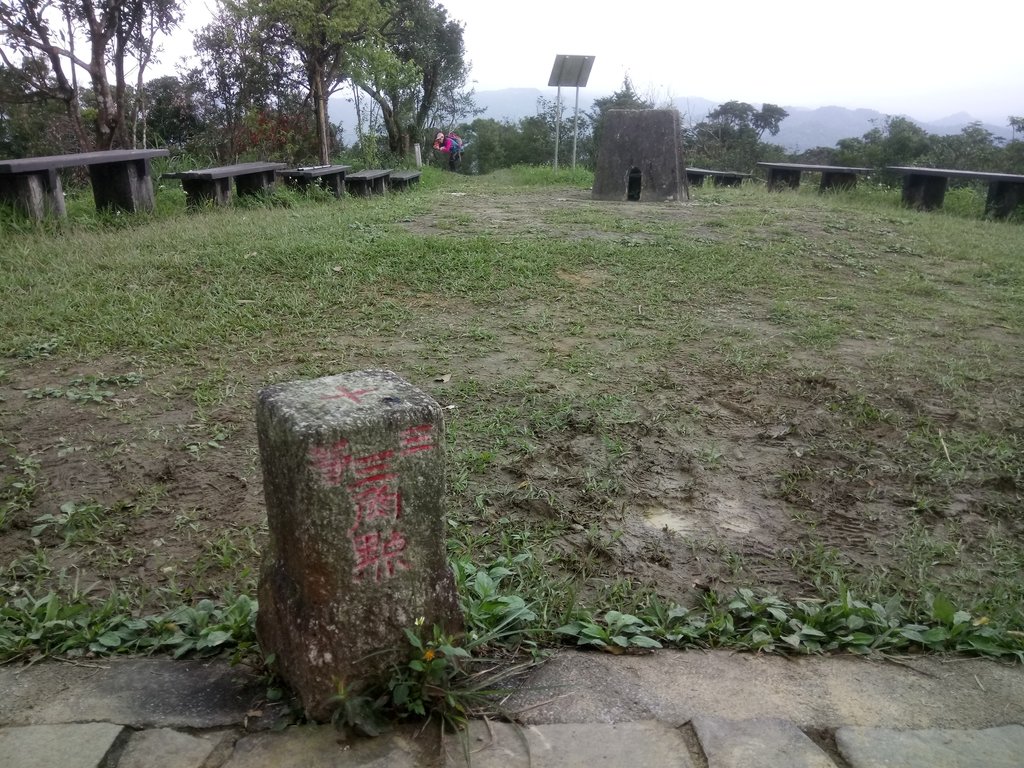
634	184
640	157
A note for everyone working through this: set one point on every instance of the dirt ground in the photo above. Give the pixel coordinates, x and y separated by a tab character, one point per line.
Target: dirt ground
707	479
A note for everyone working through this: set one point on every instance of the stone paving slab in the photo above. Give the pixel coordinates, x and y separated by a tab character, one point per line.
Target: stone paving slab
156	693
1000	747
73	745
815	692
322	746
584	745
581	710
764	742
165	748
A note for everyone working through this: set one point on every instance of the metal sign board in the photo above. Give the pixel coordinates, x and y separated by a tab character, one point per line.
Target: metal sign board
571	71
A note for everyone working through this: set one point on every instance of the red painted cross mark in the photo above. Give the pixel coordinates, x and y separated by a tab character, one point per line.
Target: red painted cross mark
348	394
418	438
380	552
331	461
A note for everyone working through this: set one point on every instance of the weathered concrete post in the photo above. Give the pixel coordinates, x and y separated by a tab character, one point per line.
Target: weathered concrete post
640	157
353	476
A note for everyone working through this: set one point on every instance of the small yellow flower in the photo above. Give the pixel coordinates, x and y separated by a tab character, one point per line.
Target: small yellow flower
429	654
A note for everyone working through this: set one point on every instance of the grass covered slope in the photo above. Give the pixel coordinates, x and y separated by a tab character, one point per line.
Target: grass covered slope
813	397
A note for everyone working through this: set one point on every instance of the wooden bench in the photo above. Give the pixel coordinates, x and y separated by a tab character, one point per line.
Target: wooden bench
403	179
832	176
925	188
369	182
121	179
695	176
215	183
331	176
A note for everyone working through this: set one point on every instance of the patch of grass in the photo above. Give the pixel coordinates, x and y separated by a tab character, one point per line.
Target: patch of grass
18	484
601	357
53	625
88	389
80	522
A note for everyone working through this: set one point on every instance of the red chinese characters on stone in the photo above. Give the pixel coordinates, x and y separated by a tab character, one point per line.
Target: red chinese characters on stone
378	543
416	439
377	503
331	461
379	553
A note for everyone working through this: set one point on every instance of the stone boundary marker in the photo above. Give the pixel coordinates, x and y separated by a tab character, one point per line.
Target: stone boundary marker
353	473
640	157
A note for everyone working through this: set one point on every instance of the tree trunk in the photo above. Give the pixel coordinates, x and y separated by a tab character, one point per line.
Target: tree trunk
318	89
100	34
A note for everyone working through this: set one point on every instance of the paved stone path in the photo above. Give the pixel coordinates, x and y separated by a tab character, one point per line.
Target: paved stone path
691	710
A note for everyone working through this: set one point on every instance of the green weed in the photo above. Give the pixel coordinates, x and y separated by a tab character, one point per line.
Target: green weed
18	485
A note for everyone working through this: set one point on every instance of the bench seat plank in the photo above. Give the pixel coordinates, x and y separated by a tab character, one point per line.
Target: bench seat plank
404	179
832	176
925	188
78	159
121	179
206	184
950	173
226	171
372	181
696	177
331	176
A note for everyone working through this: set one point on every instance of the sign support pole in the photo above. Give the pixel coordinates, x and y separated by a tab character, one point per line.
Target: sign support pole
575	127
569	70
558	122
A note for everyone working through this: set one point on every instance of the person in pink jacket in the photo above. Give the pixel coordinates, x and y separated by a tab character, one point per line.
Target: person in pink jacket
451	145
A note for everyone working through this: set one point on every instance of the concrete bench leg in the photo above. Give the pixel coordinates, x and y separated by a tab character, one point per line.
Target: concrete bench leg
360	187
127	186
783	177
199	191
34	194
336	184
254	183
1003	198
837	180
924	192
695	179
299	183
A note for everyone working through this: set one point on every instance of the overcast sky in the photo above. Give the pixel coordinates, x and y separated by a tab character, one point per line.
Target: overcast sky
926	60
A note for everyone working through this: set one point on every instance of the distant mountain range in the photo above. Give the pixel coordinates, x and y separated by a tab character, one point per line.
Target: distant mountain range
802	129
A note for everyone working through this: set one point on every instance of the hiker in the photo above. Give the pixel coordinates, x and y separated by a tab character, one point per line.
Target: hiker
452	145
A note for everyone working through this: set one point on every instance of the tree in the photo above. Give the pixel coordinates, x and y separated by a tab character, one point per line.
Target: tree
173	111
744	120
898	141
624	98
730	136
418	65
244	71
31	124
488	142
322	34
1016	124
113	32
768	118
973	149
